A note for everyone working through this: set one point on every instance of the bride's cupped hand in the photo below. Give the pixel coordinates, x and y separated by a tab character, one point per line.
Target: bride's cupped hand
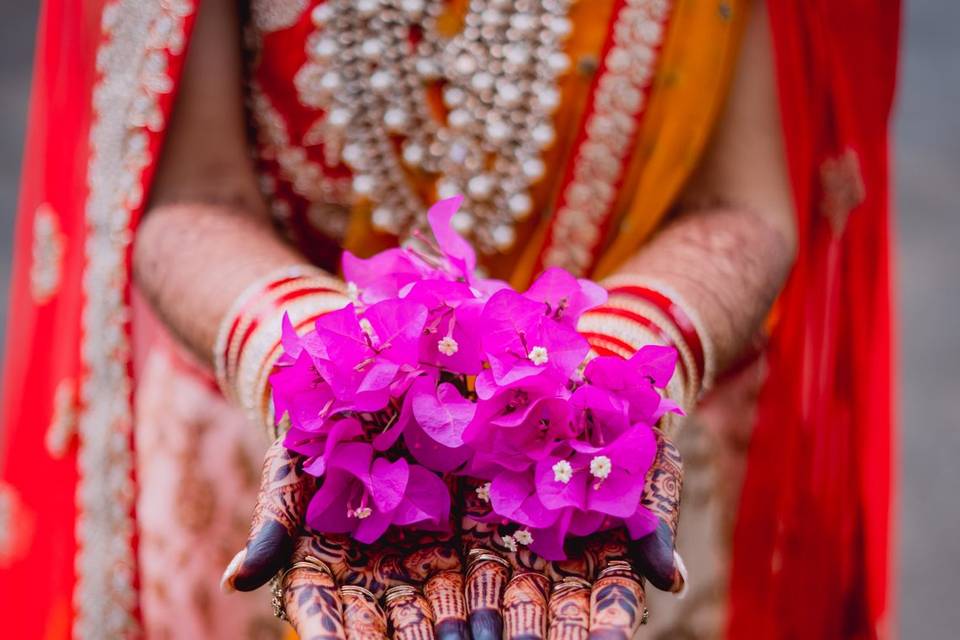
409	584
597	592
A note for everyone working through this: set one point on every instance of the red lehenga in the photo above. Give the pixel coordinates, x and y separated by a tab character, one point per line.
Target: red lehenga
812	542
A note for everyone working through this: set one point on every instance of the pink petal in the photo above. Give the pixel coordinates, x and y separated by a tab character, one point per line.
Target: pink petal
389	481
641	523
618	495
427	499
557	495
441	411
459	251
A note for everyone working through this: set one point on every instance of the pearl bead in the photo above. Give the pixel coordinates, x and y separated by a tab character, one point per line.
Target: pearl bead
381	80
447	189
363	184
330	81
326	48
367	8
338	118
563	27
371	49
497	131
503	237
465	64
523	22
395	118
453	96
517	54
482	81
520	205
382	219
412	7
480	187
428	69
549	99
321	14
459	118
533	168
353	155
543	135
462	222
458	152
559	62
509	93
413	154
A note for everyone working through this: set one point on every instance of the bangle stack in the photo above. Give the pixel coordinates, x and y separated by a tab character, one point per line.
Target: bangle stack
640	312
248	342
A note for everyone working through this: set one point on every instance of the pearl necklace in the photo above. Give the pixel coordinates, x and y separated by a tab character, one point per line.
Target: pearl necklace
370	63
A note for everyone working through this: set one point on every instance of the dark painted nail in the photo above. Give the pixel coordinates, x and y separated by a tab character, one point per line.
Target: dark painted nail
452	630
653	557
486	624
266	554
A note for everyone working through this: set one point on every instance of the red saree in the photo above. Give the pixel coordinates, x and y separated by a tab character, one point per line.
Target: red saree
812	545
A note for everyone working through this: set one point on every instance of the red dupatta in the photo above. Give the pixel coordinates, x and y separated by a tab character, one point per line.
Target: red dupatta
812	544
103	85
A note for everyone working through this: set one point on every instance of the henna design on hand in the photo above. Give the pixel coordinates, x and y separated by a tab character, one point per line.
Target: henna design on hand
525	606
445	592
617	605
312	601
284	492
654	554
569	610
363	617
410	616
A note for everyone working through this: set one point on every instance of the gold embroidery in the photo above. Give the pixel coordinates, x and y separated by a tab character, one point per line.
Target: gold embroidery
63	423
276	15
610	132
843	188
47	256
132	62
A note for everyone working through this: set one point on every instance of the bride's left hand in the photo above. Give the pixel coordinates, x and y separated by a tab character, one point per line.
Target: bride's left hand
598	592
408	585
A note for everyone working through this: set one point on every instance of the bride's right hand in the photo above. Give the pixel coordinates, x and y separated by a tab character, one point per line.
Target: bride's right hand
409	584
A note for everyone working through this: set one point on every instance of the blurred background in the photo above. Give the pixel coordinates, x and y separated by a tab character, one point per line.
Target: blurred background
927	192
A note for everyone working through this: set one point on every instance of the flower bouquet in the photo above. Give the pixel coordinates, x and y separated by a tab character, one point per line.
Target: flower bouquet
433	372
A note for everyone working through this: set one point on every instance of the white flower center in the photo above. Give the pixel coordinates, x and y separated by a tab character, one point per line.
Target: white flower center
448	346
509	542
523	537
367	328
353	291
600	467
562	471
361	513
483	492
538	356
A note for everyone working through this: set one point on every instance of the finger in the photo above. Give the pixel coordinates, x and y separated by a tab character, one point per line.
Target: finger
487	576
312	603
409	614
569	610
284	492
444	592
363	617
617	604
525	606
655	555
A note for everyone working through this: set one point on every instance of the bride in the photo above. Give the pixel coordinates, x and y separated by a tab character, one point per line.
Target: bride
194	171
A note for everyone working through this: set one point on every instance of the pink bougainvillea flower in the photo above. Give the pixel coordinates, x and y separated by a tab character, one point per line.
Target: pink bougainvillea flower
382	276
364	355
453	323
364	495
454	248
566	297
317	445
520	340
301	393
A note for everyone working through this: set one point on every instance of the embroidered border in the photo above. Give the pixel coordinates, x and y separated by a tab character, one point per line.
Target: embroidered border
46	267
132	62
275	15
618	101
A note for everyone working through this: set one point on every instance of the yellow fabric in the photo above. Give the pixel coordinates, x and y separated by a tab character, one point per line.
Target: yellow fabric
684	102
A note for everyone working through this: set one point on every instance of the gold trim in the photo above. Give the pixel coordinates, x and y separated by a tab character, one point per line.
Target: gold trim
611	130
132	61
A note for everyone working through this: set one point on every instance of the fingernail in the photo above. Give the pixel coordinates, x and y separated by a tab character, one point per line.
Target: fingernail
486	624
682	571
452	630
226	582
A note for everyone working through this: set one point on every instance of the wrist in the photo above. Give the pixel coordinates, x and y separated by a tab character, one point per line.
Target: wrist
248	342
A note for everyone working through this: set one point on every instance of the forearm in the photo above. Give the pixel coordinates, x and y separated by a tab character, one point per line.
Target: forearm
192	260
721	268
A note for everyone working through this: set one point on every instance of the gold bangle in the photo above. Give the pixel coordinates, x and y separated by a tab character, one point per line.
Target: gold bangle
618	567
398	591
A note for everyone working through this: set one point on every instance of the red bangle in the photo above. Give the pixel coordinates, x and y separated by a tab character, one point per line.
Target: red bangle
677	316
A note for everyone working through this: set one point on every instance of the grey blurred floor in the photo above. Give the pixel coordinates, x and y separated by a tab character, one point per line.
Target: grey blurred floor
928	194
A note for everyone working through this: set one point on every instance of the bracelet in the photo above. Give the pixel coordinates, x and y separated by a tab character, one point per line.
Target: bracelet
248	342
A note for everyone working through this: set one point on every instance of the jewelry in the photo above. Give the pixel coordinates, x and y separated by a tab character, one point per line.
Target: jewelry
398	591
370	66
571	583
248	341
358	591
478	556
617	567
277	587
